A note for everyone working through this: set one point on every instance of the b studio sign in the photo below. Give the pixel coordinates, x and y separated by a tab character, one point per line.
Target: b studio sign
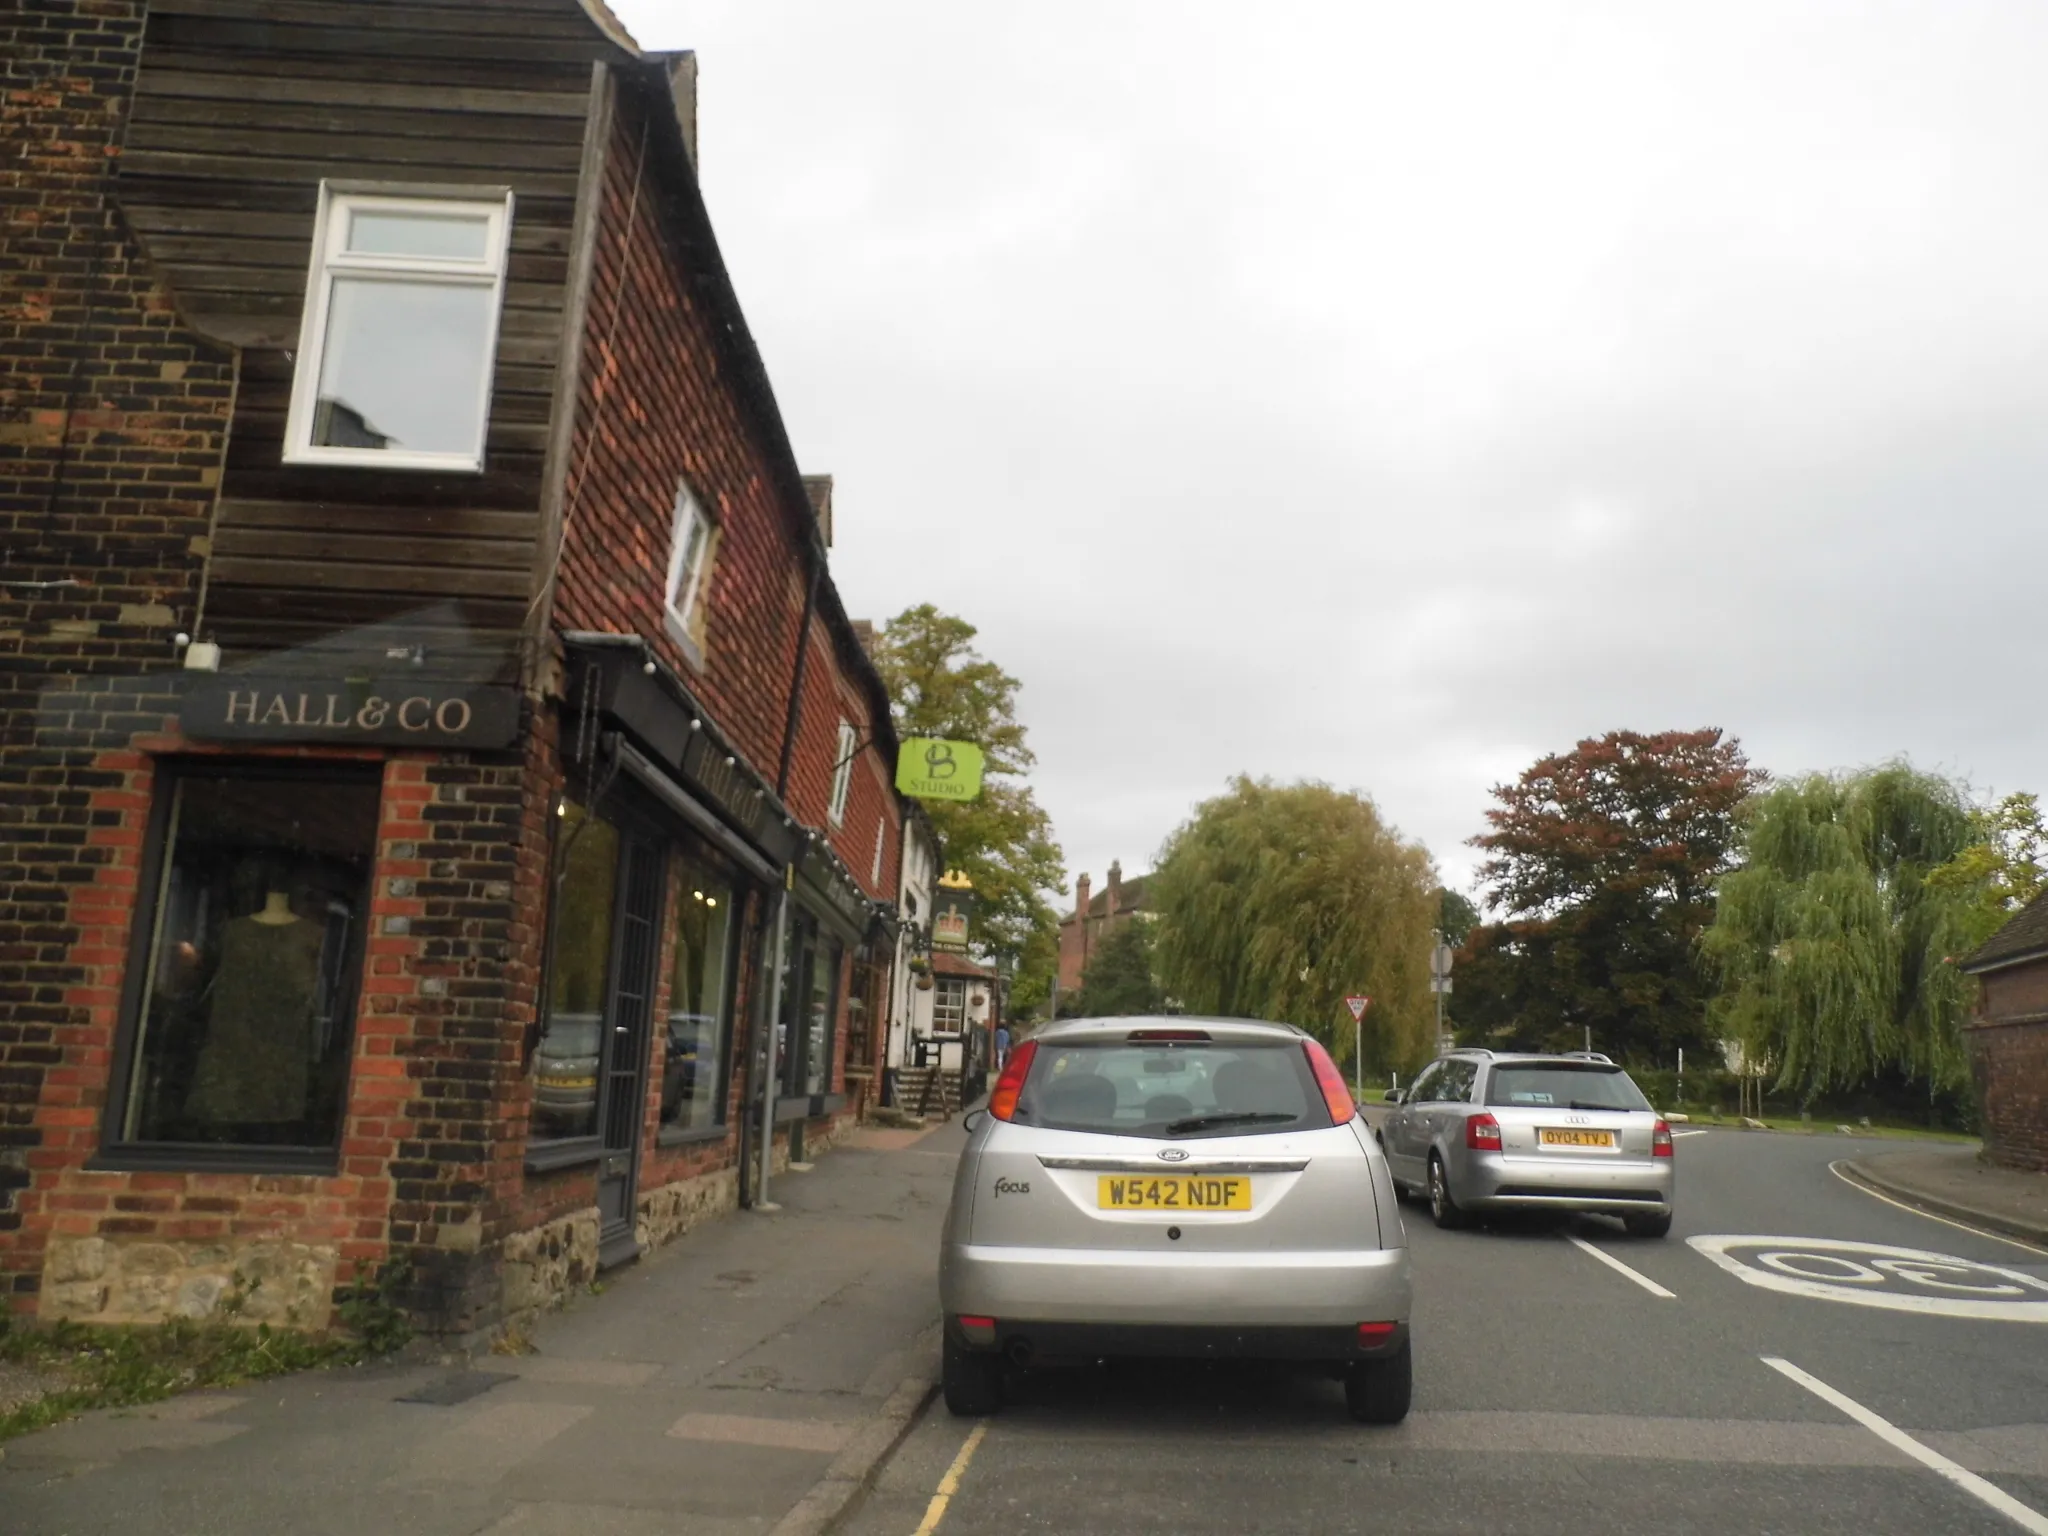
367	713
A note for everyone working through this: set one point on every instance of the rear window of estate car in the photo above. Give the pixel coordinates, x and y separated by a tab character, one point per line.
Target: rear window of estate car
1554	1086
1178	1090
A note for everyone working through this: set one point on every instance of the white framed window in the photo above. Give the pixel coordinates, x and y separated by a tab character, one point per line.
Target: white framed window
400	332
875	876
949	1006
842	772
689	561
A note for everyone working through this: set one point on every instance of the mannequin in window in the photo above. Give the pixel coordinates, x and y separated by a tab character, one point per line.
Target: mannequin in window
255	1067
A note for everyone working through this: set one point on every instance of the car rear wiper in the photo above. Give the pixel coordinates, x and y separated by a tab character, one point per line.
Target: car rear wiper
1250	1117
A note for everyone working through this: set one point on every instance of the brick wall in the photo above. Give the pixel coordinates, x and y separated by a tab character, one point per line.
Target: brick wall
2009	1057
112	426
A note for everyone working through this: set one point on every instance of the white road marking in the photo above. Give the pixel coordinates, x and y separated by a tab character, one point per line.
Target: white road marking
1961	1226
1879	1275
1676	1134
1615	1264
2019	1514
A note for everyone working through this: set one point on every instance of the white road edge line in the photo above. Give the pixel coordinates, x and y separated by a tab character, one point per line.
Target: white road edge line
1961	1226
1676	1134
2019	1514
1613	1263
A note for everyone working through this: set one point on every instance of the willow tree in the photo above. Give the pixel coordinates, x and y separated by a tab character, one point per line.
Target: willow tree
1832	945
1277	901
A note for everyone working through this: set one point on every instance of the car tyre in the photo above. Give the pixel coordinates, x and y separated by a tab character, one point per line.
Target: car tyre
1378	1391
1648	1226
973	1383
1443	1206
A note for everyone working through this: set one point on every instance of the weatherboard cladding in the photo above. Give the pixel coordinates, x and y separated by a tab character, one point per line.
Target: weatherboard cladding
240	109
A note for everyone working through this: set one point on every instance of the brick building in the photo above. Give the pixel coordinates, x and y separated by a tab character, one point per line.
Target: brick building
1095	915
2009	1039
445	812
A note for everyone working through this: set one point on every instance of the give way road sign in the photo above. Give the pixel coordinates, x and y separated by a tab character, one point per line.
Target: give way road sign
1357	1004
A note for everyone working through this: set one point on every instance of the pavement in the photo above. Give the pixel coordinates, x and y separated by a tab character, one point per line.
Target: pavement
1958	1183
747	1379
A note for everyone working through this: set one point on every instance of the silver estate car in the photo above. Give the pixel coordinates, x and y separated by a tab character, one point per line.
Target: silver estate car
1174	1187
1480	1131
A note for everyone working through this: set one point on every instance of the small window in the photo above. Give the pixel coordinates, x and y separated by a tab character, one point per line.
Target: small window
842	772
689	560
875	875
400	332
254	934
949	1007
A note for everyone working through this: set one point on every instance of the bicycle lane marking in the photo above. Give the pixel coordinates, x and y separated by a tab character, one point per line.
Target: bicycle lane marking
1885	1275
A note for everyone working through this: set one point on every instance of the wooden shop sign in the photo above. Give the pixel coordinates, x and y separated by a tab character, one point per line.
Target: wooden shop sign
401	712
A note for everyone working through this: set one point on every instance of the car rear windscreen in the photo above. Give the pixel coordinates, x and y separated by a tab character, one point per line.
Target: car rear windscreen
1552	1085
1197	1088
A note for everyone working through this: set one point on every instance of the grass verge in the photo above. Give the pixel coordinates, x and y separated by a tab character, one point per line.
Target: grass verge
1819	1127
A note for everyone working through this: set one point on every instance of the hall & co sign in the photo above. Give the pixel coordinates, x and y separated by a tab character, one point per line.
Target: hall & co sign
356	713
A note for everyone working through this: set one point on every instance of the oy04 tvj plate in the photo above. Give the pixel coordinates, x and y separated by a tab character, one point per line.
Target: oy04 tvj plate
1558	1136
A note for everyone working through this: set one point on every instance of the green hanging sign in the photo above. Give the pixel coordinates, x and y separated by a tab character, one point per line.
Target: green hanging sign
930	769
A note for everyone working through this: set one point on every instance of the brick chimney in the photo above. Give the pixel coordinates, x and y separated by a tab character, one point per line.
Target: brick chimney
819	489
1081	895
1116	890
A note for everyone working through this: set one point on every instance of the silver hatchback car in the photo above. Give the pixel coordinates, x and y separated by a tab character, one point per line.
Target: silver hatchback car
1174	1187
1480	1131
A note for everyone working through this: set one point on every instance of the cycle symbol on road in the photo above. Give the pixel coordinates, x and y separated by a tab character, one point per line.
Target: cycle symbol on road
1880	1275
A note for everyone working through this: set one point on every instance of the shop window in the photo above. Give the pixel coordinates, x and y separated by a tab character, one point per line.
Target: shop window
571	1044
249	950
400	331
697	1039
810	1001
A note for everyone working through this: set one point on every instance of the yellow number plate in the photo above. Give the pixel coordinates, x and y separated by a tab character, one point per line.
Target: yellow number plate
568	1082
1551	1138
1175	1192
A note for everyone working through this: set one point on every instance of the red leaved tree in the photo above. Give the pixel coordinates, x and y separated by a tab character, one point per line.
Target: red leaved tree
1602	863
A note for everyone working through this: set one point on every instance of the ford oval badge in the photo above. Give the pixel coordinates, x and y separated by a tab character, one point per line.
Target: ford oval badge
1173	1155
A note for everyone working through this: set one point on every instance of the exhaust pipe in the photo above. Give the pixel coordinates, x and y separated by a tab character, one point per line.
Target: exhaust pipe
1019	1352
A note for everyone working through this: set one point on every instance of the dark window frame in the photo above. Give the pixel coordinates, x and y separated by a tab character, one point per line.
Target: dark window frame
116	1152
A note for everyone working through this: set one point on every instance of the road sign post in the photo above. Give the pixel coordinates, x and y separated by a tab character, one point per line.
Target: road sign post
1439	976
1358	1002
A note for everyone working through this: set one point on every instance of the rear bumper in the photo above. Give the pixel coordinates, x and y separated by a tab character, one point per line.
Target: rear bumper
1494	1181
1147	1289
1025	1340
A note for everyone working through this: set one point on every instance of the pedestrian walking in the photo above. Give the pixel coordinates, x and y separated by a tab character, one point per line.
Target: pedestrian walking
1002	1045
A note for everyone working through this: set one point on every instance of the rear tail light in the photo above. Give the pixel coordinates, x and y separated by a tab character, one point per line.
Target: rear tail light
1371	1334
978	1330
1660	1140
1003	1102
1482	1133
1335	1095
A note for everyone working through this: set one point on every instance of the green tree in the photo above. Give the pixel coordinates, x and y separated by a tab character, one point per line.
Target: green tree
1603	860
939	685
1119	979
2004	867
1456	916
1275	901
1833	942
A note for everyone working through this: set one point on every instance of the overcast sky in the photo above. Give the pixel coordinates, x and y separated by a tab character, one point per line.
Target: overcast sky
1394	393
